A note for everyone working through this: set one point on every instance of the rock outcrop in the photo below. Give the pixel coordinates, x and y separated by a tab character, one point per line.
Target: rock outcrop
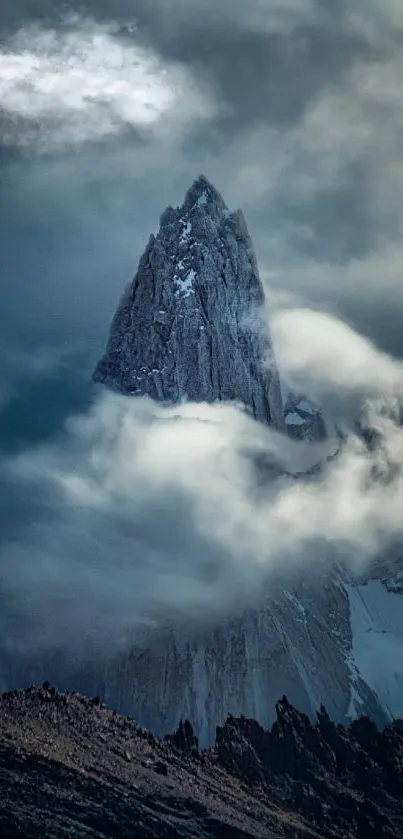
319	765
190	326
304	420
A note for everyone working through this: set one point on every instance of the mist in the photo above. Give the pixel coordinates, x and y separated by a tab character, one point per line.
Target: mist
137	514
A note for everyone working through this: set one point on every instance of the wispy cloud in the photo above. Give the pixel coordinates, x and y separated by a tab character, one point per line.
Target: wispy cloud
86	81
331	355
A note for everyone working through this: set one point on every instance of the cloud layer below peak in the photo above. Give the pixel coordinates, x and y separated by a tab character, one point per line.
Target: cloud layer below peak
138	513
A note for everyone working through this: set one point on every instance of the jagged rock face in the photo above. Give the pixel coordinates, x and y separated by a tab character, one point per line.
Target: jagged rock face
323	762
301	780
190	327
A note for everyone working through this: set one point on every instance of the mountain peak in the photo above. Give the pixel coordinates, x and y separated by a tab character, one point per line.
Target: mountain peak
190	326
203	193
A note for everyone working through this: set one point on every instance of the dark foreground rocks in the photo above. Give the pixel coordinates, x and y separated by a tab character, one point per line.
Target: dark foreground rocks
70	767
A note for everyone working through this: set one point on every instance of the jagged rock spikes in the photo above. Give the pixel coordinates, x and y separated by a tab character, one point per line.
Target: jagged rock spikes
191	325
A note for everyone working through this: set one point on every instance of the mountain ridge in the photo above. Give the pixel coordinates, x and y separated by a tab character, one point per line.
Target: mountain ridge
72	767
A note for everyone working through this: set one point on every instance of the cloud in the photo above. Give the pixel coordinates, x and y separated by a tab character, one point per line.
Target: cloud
84	82
273	15
331	355
144	513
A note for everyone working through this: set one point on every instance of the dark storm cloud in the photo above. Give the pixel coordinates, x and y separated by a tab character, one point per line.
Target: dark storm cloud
266	75
267	64
283	80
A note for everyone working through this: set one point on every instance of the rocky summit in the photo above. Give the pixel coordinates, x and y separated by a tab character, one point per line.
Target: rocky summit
191	326
70	767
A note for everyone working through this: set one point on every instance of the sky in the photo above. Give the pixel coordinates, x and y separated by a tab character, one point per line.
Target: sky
109	110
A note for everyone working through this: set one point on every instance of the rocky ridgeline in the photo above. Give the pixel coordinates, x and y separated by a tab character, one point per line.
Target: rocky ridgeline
339	778
72	767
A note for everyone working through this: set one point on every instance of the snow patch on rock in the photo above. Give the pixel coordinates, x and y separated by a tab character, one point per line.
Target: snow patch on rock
294	419
185	285
186	231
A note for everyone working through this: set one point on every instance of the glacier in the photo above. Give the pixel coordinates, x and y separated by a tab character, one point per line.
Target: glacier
376	617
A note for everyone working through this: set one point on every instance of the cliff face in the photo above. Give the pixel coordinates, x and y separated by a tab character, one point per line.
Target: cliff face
321	640
309	638
190	327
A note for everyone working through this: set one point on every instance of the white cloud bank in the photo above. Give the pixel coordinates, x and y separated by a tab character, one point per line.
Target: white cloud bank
329	354
85	81
145	512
